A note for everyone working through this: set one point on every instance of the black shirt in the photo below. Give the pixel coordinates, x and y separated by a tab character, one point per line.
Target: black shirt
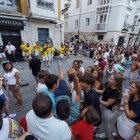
35	65
1	49
110	93
91	98
135	107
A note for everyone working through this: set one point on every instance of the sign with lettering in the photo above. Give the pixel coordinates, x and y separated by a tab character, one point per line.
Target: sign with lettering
5	22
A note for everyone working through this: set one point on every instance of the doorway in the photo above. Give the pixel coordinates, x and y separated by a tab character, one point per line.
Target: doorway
14	37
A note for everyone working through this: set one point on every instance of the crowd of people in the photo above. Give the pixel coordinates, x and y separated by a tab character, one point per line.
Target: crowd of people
102	100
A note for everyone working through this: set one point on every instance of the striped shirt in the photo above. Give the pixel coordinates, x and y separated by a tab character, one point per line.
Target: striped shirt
127	64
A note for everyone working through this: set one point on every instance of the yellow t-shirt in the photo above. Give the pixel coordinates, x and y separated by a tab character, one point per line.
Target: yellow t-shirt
61	50
52	50
28	50
23	47
49	50
43	53
36	48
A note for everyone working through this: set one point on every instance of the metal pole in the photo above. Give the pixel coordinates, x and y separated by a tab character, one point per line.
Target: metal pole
79	18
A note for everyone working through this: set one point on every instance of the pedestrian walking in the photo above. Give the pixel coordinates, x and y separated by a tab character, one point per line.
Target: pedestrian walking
10	51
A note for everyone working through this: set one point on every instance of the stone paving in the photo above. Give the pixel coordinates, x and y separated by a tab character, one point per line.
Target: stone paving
29	91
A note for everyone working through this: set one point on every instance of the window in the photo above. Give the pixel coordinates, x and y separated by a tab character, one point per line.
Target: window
43	34
101	19
10	6
87	21
103	2
89	2
100	37
76	23
48	4
66	24
135	20
103	10
77	3
126	19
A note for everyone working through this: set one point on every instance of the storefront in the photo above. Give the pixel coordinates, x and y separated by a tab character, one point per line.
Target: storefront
10	32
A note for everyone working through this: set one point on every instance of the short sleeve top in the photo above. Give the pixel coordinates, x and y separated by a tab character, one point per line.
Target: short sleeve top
110	93
10	76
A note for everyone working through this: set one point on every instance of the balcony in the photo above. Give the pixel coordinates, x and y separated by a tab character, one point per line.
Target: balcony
46	4
101	27
10	6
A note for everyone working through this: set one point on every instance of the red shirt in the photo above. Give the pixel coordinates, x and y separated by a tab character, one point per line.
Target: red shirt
23	123
83	130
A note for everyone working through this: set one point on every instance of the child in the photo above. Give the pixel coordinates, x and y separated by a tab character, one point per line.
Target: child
84	129
41	84
61	50
44	55
23	48
28	51
36	49
3	99
81	67
67	50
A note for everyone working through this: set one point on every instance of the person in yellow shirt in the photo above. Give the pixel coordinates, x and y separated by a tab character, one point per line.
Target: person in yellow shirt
67	50
50	52
28	51
23	47
43	52
36	49
62	51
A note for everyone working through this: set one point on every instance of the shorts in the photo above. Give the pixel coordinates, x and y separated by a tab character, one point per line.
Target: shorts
3	98
61	56
36	53
23	53
2	55
50	57
44	58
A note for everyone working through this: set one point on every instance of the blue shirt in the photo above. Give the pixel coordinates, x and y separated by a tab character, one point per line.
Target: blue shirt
119	68
128	64
51	95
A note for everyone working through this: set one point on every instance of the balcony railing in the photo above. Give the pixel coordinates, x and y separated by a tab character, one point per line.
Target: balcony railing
45	4
100	27
10	6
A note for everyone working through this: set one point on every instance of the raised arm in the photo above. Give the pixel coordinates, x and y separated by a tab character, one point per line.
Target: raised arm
60	72
72	73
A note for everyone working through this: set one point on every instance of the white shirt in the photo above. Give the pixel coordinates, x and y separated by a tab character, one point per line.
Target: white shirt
47	129
82	69
41	87
4	132
10	77
10	48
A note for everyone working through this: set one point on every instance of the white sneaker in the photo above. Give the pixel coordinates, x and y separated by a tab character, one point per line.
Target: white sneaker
101	136
11	115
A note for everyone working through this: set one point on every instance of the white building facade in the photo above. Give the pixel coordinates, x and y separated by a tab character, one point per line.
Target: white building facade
31	21
113	21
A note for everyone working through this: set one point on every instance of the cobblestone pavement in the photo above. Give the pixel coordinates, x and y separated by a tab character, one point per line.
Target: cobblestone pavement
29	91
